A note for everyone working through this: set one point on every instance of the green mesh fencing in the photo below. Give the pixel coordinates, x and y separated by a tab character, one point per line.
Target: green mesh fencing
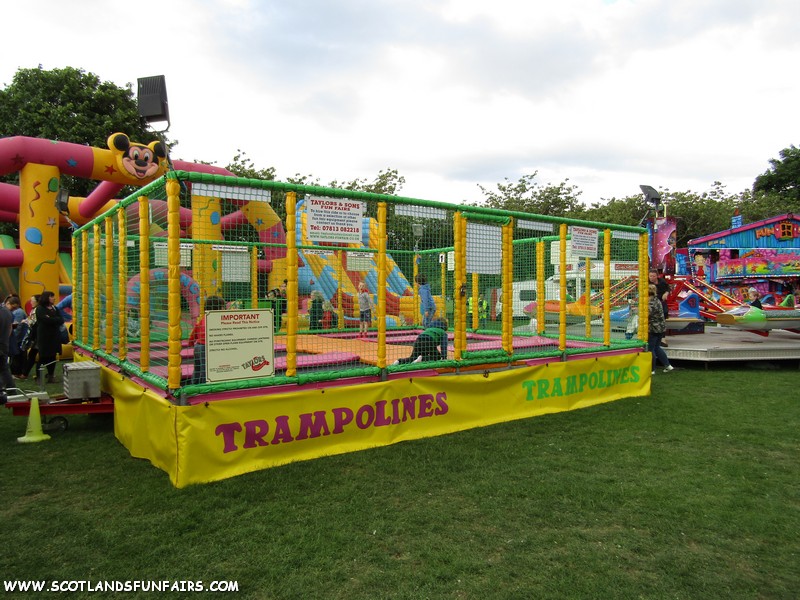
349	280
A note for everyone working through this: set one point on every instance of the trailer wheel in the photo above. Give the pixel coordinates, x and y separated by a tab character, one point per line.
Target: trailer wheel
58	424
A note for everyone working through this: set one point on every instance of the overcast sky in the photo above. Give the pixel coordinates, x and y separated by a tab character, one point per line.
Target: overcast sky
610	94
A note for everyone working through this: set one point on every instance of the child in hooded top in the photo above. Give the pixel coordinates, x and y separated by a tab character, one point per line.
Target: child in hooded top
430	345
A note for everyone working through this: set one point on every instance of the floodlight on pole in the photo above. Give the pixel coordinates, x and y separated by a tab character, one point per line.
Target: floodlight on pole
651	196
152	100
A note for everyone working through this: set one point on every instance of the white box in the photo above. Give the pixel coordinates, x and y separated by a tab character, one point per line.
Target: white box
82	380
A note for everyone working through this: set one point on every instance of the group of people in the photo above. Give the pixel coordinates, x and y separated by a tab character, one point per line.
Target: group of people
28	339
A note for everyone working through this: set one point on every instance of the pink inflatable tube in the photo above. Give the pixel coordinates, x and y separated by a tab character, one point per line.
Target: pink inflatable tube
9	197
72	159
10	258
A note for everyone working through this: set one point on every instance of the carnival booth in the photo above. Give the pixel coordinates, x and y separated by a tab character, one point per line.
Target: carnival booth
764	255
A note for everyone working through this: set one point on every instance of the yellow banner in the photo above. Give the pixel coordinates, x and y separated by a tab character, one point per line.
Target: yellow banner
144	422
217	440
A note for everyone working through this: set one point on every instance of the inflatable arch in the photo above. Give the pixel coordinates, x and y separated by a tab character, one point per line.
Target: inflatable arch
190	289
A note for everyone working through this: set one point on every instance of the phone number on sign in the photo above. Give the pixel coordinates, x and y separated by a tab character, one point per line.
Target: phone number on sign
337	229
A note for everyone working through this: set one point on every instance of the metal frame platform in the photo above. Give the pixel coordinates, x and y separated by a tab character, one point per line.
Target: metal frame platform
728	344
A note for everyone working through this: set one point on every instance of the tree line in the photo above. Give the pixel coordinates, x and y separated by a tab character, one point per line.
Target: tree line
72	105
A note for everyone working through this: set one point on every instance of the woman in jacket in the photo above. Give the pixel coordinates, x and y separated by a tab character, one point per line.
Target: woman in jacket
29	348
48	337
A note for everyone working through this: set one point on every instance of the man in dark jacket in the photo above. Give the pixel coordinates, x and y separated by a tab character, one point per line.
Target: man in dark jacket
662	289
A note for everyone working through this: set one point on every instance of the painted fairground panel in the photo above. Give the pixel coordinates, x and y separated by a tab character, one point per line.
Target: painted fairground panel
764	255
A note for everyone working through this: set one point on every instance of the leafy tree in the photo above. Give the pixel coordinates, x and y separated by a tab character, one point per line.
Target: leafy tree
69	105
387	182
783	177
630	210
760	205
697	214
526	195
700	214
243	166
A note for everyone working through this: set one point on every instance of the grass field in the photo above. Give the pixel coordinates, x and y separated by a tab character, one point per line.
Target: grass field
691	493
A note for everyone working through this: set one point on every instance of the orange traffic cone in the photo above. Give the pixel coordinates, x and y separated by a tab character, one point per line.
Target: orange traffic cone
34	432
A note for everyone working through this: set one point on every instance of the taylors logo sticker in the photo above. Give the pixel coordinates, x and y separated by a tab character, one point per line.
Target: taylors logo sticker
256	363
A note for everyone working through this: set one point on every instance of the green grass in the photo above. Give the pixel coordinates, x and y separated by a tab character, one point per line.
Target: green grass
690	493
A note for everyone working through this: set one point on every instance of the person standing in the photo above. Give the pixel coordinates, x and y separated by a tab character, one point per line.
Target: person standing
6	319
427	306
29	347
632	324
662	290
657	328
328	315
364	309
483	310
278	297
197	339
48	338
662	293
315	310
18	330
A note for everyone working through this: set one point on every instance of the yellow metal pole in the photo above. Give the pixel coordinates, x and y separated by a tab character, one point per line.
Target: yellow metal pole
562	289
417	311
541	293
587	295
381	285
109	238
644	315
77	315
291	285
463	268
458	252
144	284
122	284
96	289
508	286
85	286
173	285
443	266
474	301
254	277
607	287
339	284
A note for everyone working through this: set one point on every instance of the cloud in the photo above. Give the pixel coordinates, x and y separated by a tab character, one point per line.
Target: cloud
451	93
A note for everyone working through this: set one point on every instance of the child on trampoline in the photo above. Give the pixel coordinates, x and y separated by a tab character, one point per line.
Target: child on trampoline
197	338
365	309
430	345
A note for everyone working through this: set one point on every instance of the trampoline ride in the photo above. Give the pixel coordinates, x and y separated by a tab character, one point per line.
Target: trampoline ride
209	394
